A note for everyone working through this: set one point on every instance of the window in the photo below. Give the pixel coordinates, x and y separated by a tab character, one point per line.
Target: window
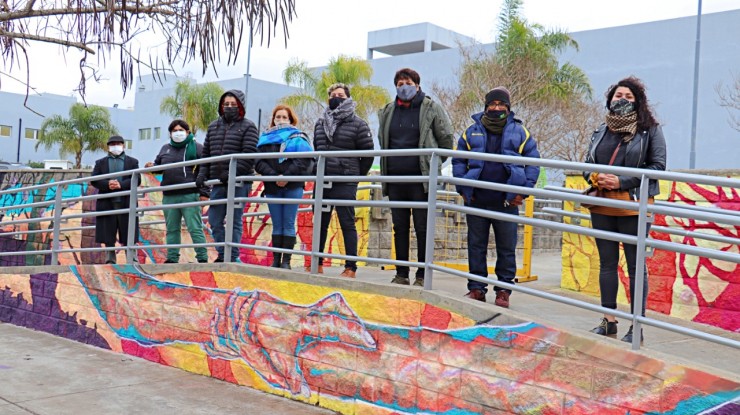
32	134
6	130
129	144
145	134
157	133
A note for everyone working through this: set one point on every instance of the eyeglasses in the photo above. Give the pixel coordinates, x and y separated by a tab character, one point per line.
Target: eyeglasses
499	105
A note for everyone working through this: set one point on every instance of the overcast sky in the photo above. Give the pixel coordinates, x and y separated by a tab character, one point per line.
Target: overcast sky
326	28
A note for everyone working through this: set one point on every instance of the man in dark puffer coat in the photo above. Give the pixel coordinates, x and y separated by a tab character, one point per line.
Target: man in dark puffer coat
339	129
231	133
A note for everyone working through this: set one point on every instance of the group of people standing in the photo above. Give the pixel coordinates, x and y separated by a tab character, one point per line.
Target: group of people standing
630	137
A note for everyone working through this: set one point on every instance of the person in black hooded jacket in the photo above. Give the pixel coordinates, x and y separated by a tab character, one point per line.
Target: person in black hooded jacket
231	133
340	129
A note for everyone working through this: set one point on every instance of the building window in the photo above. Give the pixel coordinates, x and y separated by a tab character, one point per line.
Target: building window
145	134
157	133
32	134
6	130
129	144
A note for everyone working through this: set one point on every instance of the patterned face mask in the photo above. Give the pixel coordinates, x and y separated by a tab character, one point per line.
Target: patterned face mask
621	106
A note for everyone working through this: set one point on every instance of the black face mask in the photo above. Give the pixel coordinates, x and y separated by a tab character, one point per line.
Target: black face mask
231	113
496	114
334	102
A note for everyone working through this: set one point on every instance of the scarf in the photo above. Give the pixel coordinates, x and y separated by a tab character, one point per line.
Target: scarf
290	139
494	126
191	152
626	124
332	118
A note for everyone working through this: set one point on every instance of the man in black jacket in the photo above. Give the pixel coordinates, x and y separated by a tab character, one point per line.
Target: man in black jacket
107	226
339	129
231	133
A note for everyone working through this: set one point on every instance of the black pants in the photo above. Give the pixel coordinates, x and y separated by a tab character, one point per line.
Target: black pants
346	215
609	259
408	192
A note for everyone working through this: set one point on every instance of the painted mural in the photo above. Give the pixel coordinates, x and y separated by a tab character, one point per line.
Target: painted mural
257	225
697	289
353	352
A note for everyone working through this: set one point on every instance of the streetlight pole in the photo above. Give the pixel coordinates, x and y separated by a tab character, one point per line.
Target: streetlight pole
694	108
249	60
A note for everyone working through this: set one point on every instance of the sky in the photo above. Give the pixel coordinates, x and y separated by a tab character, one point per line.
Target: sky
324	29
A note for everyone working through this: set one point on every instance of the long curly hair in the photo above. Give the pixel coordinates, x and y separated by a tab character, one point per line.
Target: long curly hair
645	117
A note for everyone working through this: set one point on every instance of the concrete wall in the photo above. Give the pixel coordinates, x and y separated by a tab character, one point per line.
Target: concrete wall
697	289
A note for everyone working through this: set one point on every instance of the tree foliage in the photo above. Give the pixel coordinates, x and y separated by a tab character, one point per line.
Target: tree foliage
729	98
185	30
553	99
312	97
197	104
87	129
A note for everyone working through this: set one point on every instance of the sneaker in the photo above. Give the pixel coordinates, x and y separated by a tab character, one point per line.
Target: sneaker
319	271
400	279
203	261
502	299
348	273
609	329
475	294
219	258
110	262
628	337
418	282
169	261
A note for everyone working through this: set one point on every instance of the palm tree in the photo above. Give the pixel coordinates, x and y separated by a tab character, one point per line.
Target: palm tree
312	98
87	129
197	104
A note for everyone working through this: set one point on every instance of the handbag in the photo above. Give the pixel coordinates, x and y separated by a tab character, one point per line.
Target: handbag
594	191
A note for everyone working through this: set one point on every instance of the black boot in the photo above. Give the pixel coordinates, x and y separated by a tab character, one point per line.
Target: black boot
606	328
277	242
288	243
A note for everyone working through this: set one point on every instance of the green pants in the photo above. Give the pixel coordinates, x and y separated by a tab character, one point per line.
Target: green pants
173	218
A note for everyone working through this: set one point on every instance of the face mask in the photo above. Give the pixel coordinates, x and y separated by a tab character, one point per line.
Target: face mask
231	113
496	114
621	107
334	102
179	136
406	92
115	150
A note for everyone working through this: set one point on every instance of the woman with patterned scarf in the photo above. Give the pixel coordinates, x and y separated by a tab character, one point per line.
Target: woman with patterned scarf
283	137
631	137
182	147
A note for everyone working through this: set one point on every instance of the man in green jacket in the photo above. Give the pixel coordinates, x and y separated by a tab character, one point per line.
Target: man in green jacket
413	120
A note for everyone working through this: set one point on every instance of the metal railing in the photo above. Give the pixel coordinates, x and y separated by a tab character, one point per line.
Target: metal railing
641	240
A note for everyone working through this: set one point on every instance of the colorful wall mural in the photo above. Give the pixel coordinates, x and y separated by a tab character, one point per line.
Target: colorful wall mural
697	289
351	351
80	234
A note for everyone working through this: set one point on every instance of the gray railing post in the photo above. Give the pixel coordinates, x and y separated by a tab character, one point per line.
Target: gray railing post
640	268
318	196
431	221
229	228
131	232
57	225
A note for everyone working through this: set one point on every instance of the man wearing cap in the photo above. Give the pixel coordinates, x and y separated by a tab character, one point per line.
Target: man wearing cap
412	121
107	226
494	131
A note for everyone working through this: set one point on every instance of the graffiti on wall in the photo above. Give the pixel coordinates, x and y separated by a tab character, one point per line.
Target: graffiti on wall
703	290
354	352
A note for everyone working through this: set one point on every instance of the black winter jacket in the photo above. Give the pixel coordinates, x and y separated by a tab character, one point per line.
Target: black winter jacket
289	167
352	133
179	175
238	137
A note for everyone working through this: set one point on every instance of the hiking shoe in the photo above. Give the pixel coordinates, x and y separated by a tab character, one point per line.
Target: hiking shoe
609	328
476	294
319	271
502	299
348	273
400	279
628	337
419	282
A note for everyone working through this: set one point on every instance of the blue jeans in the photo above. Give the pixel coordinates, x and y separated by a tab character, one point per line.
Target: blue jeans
217	218
505	234
284	216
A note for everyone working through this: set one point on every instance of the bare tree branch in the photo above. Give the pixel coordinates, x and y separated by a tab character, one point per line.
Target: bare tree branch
729	98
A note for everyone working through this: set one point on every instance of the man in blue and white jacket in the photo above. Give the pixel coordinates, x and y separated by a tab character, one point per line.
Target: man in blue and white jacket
494	131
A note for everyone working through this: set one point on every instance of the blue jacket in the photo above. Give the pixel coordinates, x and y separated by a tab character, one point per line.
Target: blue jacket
516	141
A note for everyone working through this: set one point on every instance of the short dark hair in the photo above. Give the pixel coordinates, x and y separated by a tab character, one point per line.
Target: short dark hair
407	73
181	123
337	86
645	117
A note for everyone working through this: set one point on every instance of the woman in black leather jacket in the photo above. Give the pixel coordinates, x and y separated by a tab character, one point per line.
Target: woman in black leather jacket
631	137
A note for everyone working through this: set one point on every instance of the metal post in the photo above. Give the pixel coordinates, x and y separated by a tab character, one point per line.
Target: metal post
131	235
318	196
528	235
431	221
56	224
640	268
229	229
246	84
694	106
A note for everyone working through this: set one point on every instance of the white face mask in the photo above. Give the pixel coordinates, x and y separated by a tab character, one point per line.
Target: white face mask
115	150
179	136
